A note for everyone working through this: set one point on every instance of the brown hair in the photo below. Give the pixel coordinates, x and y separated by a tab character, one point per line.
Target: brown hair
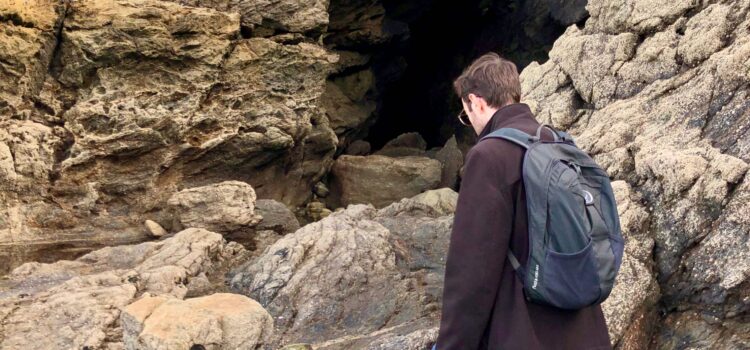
491	77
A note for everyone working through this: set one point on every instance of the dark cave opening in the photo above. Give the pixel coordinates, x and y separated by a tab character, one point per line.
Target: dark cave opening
414	73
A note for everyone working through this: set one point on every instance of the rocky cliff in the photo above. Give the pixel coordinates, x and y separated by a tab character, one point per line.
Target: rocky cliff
211	120
658	92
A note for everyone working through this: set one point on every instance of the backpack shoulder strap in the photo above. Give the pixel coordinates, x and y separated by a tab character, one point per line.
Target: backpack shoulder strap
513	135
524	140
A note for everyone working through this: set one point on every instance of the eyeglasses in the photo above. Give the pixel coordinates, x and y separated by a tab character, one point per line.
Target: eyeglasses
463	118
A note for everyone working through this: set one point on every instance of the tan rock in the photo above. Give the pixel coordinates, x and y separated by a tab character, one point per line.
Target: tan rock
217	321
76	304
222	207
381	180
154	228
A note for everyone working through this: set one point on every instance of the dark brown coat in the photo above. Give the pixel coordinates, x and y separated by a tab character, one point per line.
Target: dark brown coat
483	302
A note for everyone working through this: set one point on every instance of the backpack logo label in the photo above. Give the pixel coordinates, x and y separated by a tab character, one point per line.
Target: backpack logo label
536	277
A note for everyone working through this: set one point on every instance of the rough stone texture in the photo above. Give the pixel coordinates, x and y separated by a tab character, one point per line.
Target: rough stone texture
408	144
76	304
276	217
269	16
108	107
381	180
217	321
636	291
360	22
347	105
320	282
452	159
657	93
358	148
221	207
27	44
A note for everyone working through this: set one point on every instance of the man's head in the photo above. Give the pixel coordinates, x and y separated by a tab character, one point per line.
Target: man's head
489	83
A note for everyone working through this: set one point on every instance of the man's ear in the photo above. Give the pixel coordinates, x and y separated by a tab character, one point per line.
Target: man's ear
478	102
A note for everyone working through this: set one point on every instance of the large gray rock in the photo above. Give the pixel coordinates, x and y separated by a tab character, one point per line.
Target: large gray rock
76	304
667	113
357	277
407	144
452	159
219	321
276	217
381	180
223	207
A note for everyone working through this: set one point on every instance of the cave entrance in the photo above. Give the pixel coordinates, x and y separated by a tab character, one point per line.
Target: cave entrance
430	42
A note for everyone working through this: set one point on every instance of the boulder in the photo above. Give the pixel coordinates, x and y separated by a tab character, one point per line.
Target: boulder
358	148
216	321
276	217
154	228
381	180
221	207
320	282
452	159
408	144
76	304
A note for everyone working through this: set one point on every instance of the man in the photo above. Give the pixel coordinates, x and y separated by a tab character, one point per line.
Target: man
483	301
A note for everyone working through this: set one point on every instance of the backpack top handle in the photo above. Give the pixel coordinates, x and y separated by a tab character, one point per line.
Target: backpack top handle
559	136
539	132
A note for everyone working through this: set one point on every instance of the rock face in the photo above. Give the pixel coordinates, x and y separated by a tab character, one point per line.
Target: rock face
357	278
107	108
636	291
217	321
76	304
657	93
381	180
222	207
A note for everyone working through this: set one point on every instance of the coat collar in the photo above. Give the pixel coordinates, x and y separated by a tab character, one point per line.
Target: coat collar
505	116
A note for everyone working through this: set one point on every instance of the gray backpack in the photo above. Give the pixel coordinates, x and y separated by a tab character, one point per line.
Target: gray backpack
575	244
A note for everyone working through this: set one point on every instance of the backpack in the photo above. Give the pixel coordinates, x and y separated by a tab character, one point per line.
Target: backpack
575	244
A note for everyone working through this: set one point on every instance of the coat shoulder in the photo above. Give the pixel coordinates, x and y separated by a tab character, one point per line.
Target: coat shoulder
497	159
